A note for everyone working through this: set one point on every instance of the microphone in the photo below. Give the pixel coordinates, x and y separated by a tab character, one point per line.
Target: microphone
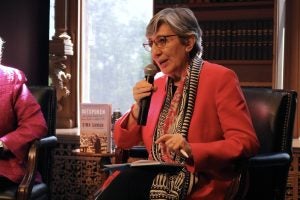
149	71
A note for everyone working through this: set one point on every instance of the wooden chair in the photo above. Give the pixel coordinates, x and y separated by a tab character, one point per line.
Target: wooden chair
39	155
263	176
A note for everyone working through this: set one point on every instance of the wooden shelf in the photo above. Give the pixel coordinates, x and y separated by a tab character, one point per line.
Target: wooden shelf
250	72
242	62
257	84
227	10
221	5
257	73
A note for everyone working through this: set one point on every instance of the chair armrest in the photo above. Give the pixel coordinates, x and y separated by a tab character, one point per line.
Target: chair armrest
270	160
27	182
138	152
48	142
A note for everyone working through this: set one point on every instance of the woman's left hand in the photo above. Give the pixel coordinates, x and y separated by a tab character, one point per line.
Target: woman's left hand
174	142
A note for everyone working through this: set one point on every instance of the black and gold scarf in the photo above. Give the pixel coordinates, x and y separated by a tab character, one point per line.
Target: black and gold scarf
175	118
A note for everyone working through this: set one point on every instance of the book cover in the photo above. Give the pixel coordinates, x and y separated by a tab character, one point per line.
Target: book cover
95	127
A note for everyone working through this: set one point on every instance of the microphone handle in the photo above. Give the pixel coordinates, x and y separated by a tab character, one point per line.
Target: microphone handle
145	104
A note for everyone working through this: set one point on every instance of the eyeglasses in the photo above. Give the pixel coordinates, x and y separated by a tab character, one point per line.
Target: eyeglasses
160	42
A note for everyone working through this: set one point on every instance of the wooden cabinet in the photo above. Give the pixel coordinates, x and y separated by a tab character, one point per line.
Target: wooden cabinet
293	183
237	34
76	176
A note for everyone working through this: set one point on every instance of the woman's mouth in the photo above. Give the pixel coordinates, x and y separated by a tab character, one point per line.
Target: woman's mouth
163	64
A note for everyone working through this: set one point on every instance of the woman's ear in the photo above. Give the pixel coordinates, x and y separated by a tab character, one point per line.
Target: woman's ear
190	42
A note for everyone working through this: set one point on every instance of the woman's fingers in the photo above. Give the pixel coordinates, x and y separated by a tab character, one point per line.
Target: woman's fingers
141	90
173	142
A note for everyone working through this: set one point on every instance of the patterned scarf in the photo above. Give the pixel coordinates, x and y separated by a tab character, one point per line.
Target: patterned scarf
175	118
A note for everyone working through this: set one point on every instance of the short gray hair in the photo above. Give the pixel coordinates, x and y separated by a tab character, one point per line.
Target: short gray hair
182	21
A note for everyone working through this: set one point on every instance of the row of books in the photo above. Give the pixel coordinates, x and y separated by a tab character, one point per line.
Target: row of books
196	1
237	40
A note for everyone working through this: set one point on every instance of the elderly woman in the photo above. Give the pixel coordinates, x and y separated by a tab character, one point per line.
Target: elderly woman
21	122
197	108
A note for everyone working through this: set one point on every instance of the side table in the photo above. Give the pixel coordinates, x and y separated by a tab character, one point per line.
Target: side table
76	175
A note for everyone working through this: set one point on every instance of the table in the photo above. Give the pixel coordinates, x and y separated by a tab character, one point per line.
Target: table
76	175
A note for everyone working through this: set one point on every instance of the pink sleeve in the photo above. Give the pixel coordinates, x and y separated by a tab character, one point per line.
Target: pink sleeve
30	125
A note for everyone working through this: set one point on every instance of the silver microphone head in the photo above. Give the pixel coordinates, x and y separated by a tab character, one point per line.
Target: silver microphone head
150	70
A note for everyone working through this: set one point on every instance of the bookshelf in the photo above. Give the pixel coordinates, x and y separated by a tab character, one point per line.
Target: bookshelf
238	34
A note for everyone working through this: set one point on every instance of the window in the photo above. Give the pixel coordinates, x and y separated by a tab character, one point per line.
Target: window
51	21
113	57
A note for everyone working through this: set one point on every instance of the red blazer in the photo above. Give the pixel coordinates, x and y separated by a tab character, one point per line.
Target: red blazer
21	121
220	132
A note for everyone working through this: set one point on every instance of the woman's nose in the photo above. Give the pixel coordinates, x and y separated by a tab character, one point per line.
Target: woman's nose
155	51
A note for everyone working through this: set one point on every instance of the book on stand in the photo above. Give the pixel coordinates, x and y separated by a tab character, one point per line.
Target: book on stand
95	127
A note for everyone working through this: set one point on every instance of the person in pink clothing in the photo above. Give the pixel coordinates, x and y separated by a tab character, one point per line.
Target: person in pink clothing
21	122
197	107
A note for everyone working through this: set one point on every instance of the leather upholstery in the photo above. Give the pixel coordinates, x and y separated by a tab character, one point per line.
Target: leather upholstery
265	175
39	155
273	113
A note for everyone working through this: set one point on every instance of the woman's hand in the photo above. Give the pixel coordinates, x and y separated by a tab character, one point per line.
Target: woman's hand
141	90
176	143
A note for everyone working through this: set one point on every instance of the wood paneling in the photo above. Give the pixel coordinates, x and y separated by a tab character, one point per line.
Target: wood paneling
292	53
25	28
